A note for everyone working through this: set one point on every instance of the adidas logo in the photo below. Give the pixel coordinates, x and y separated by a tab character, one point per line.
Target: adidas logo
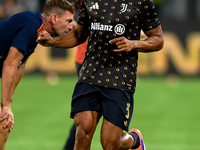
95	6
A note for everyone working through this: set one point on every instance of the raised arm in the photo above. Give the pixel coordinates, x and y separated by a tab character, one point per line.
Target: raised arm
71	39
153	42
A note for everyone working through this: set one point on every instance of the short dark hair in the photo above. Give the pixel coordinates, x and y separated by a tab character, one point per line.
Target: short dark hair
58	7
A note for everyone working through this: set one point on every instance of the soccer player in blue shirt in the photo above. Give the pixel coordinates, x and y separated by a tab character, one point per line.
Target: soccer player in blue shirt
18	35
107	78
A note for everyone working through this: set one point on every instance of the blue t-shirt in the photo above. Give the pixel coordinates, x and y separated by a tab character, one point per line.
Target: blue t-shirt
20	31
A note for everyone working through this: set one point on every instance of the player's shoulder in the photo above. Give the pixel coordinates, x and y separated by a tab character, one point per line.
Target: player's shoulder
25	15
27	18
146	2
146	5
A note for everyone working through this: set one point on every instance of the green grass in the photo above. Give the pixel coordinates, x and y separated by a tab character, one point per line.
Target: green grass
168	117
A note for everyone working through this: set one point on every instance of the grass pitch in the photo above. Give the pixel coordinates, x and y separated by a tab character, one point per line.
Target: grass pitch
167	114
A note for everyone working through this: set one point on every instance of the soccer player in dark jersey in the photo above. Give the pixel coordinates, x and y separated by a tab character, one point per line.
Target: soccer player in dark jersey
108	75
18	35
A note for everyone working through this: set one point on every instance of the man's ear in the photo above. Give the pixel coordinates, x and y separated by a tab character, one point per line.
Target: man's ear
53	19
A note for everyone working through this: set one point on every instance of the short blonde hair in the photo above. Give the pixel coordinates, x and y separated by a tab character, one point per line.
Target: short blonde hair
58	7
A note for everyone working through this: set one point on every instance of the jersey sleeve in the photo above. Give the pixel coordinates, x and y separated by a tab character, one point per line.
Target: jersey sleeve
25	38
149	18
82	16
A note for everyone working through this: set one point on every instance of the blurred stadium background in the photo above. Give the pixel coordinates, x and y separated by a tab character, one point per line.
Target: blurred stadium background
167	96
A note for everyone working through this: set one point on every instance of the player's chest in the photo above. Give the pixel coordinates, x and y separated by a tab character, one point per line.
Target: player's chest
113	11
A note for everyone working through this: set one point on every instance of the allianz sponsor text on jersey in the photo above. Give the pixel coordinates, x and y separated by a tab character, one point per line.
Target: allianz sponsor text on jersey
119	28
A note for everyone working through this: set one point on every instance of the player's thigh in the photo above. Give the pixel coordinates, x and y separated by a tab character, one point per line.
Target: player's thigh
118	107
4	133
110	134
85	98
86	122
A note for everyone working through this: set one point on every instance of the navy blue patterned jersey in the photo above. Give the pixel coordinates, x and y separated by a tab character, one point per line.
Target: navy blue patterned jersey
107	20
20	31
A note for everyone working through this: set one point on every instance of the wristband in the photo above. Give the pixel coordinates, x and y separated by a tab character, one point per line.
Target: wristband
1	101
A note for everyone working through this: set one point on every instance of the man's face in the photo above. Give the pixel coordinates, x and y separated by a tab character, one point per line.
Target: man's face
63	24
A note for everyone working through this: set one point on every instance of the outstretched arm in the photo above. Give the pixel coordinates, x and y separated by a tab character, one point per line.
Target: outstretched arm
9	72
71	39
153	42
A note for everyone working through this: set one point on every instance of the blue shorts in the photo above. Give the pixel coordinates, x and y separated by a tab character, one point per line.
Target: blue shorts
115	105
